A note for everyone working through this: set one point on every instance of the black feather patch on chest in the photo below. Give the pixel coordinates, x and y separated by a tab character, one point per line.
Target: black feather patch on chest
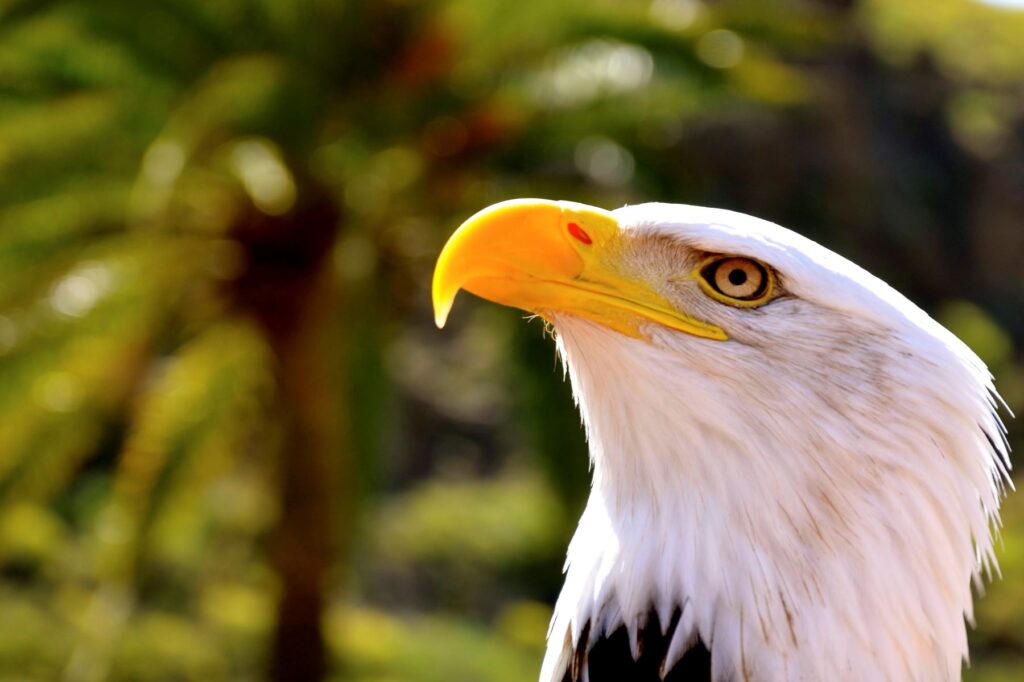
609	659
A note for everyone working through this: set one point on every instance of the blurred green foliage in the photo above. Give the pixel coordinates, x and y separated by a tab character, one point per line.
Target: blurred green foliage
226	421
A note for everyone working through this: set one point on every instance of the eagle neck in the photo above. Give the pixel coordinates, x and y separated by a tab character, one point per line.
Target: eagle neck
791	556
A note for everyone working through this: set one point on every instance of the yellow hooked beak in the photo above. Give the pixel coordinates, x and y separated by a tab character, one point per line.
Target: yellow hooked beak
553	257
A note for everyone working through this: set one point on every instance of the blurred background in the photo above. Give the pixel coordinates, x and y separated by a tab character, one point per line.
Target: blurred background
233	446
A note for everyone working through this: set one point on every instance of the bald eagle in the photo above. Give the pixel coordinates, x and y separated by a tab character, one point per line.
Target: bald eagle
795	469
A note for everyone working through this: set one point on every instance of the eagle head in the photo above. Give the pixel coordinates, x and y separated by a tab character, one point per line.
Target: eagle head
795	469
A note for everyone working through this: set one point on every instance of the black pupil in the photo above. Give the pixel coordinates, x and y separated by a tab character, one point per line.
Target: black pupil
737	277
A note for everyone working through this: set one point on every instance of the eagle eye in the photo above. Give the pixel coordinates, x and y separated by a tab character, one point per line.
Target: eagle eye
736	280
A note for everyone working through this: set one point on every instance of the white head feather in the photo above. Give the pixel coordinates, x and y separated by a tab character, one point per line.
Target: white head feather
815	494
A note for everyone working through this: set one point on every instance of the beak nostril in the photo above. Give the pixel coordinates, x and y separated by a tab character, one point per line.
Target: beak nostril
577	232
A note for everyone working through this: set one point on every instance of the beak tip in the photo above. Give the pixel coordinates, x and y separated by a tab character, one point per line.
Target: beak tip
442	306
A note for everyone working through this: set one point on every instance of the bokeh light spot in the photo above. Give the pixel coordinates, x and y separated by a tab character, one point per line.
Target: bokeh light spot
401	166
114	525
81	289
721	48
355	257
58	392
264	175
593	69
676	15
163	162
1008	4
604	161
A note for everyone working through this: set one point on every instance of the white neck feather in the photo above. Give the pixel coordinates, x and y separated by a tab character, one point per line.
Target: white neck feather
806	529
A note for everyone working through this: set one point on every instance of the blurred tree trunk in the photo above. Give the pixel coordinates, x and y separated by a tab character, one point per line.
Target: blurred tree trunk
302	550
287	287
